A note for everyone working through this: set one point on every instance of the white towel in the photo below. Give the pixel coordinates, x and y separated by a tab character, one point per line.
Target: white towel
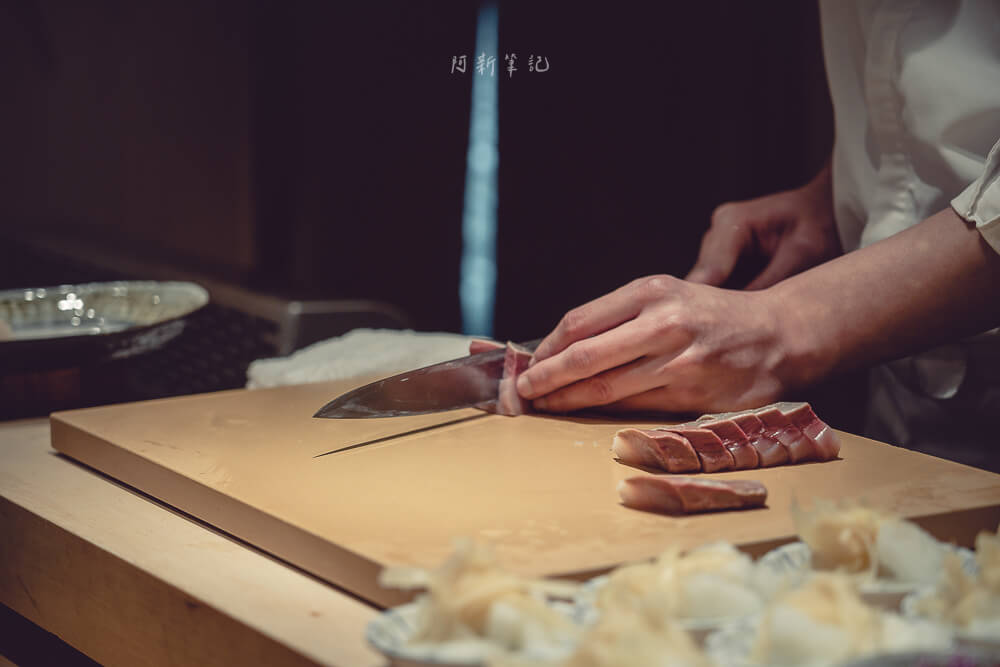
358	353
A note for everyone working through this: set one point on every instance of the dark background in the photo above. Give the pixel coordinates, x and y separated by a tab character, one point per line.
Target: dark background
317	150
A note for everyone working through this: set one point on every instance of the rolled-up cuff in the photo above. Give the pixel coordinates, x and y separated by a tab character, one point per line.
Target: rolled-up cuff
980	202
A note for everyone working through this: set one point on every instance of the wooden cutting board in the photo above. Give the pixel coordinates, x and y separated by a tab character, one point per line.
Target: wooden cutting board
542	489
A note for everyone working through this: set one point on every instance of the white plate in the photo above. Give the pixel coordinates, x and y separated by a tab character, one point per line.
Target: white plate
731	646
391	631
795	558
958	657
586	612
985	639
73	325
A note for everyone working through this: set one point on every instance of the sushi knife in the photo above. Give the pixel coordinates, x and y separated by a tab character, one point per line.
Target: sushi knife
466	382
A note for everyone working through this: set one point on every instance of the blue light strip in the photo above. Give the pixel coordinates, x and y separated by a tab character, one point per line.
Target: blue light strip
478	278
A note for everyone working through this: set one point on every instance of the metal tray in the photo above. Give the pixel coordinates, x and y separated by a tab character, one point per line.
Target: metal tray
76	325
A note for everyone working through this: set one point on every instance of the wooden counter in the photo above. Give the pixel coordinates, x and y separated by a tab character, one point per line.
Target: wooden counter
540	488
129	581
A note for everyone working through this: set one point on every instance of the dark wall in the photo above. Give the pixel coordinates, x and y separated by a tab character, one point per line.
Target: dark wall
611	162
360	135
126	122
650	116
318	149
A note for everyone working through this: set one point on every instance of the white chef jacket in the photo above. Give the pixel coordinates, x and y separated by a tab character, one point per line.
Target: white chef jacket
916	96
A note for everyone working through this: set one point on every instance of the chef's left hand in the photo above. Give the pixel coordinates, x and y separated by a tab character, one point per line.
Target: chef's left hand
660	343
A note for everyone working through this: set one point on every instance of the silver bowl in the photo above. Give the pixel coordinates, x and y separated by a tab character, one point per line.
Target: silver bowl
70	326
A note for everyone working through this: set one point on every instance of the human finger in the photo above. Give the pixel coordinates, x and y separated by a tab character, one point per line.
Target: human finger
588	320
586	358
610	386
659	399
721	247
791	257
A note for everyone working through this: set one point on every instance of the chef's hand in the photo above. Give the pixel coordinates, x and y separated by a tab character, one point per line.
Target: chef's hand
660	343
793	230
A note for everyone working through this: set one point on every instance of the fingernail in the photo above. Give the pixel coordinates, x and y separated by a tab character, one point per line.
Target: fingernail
523	385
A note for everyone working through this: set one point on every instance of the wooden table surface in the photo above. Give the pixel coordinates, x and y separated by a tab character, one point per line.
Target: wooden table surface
127	580
540	488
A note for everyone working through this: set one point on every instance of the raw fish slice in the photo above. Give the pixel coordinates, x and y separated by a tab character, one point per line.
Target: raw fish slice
637	447
656	449
776	424
509	403
681	495
802	415
770	451
713	454
762	437
736	441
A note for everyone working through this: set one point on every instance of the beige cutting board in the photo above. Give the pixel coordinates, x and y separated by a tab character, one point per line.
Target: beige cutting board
542	489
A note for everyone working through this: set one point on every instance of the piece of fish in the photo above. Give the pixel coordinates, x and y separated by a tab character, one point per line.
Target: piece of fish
735	440
509	403
664	450
713	454
770	451
767	436
683	495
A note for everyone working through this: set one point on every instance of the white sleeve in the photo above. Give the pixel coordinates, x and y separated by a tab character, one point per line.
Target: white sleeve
980	202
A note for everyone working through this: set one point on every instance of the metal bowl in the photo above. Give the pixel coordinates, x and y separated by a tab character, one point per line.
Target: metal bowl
70	326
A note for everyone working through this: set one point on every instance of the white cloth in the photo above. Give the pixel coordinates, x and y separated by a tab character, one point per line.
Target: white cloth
357	354
916	94
980	202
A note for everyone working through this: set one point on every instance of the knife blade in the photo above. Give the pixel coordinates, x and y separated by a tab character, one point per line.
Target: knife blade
465	382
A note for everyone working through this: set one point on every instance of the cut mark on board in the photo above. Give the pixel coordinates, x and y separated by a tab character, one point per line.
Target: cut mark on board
399	435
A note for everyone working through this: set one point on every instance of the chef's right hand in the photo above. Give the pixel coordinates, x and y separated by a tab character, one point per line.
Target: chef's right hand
794	230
